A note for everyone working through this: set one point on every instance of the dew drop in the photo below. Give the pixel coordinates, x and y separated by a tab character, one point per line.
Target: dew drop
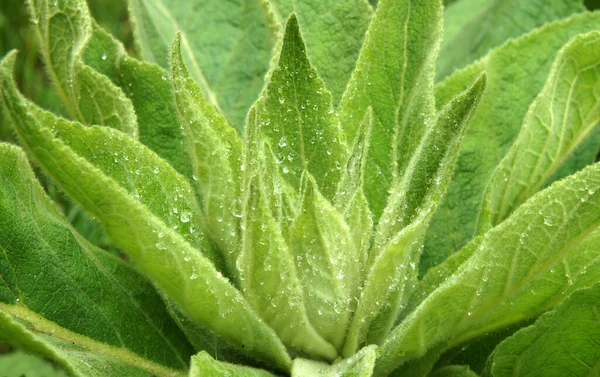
103	56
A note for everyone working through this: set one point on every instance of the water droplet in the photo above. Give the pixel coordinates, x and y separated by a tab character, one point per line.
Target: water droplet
103	56
156	170
185	216
194	276
282	142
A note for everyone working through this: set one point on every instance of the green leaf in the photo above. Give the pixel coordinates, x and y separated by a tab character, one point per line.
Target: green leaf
333	32
58	288
561	342
453	371
547	249
398	240
269	280
516	73
359	365
19	364
205	366
560	118
393	76
227	46
216	157
473	27
157	231
327	262
298	119
62	28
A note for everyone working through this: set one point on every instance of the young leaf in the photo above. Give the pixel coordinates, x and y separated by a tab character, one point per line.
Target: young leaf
216	157
106	190
516	73
393	258
205	366
473	27
333	32
62	28
560	118
327	262
393	76
299	119
561	342
359	365
547	249
95	299
227	46
269	280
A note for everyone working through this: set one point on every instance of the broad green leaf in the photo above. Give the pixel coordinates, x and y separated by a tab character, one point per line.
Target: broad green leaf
529	263
473	27
398	240
62	28
297	117
561	117
563	342
453	371
227	46
205	366
516	73
157	231
333	32
53	279
19	364
216	157
393	76
327	263
269	280
359	365
149	89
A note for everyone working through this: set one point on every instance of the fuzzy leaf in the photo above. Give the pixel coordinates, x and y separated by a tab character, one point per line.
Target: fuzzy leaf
547	249
333	32
393	76
473	27
562	342
62	28
297	116
157	232
516	73
359	365
227	46
453	371
205	366
56	288
19	364
561	117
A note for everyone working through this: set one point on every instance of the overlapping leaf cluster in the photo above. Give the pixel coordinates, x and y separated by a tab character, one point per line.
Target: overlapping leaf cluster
277	174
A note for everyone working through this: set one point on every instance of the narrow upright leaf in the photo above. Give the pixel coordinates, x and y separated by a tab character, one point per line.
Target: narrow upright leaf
473	27
393	76
328	264
561	117
359	365
299	119
226	45
157	243
563	342
216	157
333	32
205	366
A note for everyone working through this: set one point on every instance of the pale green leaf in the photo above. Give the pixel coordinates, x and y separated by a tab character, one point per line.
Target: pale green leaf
297	117
226	45
216	157
269	280
529	263
473	27
516	73
205	366
563	342
398	240
327	262
333	32
62	28
157	233
58	283
393	76
561	117
359	365
453	371
19	364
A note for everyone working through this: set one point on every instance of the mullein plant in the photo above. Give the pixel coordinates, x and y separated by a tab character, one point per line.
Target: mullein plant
309	188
